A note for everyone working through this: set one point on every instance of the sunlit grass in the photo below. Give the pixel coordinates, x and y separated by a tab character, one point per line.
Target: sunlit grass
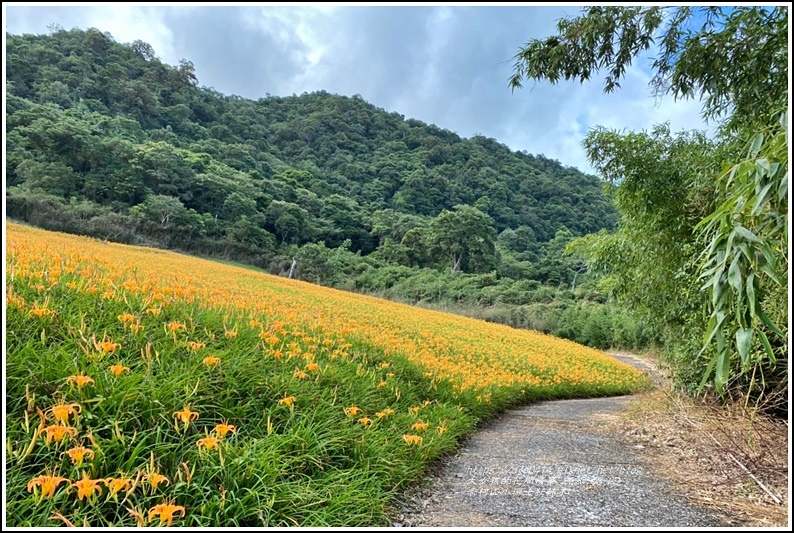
195	393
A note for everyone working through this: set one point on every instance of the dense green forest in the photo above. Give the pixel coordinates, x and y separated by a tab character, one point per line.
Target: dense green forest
104	139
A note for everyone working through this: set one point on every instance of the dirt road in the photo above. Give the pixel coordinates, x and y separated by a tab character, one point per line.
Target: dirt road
551	464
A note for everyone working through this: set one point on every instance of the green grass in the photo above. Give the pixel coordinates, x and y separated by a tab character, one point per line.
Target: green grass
305	464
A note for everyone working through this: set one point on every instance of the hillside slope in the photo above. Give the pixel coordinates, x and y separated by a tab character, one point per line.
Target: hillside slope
262	401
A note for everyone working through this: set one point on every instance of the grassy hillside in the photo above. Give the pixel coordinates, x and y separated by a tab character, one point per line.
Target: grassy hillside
262	400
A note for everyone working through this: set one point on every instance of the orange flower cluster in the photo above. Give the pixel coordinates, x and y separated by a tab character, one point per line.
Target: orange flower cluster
470	354
287	319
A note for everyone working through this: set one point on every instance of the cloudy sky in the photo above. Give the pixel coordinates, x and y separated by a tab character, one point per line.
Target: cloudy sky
445	65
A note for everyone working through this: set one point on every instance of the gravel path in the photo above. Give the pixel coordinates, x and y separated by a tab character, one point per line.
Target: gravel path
551	464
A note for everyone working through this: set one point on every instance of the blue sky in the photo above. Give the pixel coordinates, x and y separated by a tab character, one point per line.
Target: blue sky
446	65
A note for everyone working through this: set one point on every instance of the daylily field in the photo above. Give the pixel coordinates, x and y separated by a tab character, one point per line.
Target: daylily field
145	387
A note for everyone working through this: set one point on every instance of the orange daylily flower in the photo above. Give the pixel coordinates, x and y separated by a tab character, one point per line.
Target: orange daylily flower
186	415
41	312
126	318
288	401
419	426
312	367
78	453
155	478
413	439
107	347
211	361
175	326
365	421
385	412
80	380
209	442
118	369
117	484
352	410
58	432
300	374
166	512
86	486
61	411
47	484
195	345
223	428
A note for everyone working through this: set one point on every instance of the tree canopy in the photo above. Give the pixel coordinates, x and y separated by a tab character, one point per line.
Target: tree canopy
694	209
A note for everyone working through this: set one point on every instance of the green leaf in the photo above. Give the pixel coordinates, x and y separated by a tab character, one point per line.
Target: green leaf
732	175
712	329
746	233
709	330
744	338
715	279
735	274
722	370
770	353
762	166
768	323
746	251
762	198
707	372
750	288
755	145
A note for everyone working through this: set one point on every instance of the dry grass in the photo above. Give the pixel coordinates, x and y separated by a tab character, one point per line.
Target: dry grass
697	445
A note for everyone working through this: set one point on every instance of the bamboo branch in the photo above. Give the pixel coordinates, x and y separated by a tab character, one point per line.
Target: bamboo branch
763	487
775	498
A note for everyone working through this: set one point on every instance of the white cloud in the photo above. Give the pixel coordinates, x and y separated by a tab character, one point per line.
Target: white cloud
580	107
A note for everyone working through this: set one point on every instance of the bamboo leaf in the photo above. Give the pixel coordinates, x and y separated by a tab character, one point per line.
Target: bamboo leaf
768	323
714	323
766	268
746	233
770	353
714	281
762	198
744	338
769	255
755	145
746	251
707	373
735	274
762	166
782	190
722	370
750	288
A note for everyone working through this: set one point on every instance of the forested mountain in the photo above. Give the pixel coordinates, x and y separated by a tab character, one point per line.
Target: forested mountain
105	139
